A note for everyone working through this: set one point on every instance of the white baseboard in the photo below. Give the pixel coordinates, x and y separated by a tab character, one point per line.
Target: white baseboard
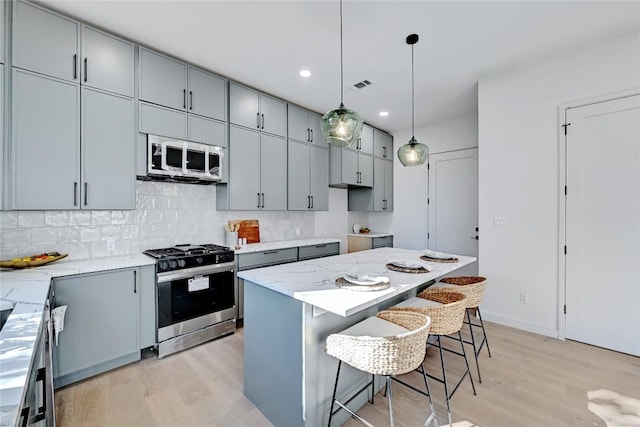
519	324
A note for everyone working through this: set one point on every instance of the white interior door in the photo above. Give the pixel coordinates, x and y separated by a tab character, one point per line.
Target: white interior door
453	204
603	224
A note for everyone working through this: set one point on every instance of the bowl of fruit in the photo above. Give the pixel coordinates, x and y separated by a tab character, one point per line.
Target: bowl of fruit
32	261
364	230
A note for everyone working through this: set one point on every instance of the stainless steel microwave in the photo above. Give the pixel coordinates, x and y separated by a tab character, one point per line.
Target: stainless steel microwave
183	160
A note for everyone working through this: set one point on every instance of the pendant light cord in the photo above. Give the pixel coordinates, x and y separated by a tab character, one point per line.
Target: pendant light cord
341	62
412	99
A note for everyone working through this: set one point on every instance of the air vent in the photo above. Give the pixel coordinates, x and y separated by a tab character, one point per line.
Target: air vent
362	84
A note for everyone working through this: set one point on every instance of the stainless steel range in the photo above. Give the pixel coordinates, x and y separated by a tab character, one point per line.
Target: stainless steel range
195	295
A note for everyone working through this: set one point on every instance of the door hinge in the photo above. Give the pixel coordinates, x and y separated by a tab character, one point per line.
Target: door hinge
427	200
565	249
428	235
565	309
565	126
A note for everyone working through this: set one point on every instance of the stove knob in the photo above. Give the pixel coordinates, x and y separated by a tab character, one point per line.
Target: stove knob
163	265
173	263
182	262
199	260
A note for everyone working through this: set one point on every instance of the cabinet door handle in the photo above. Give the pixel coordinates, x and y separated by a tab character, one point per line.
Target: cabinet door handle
86	191
308	135
75	194
40	376
25	414
258	200
75	66
191	100
321	246
311	202
384	151
263	200
85	70
270	252
311	135
135	281
308	202
258	120
184	98
263	121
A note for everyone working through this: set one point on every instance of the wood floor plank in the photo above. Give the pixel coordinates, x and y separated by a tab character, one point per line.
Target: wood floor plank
531	380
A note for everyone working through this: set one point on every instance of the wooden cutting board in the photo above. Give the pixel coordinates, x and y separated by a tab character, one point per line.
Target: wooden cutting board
249	229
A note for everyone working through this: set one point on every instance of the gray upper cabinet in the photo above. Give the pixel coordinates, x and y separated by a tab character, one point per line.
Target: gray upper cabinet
364	144
206	131
158	120
107	151
45	42
308	183
349	168
380	197
163	80
207	94
107	62
382	144
304	126
45	141
257	172
252	109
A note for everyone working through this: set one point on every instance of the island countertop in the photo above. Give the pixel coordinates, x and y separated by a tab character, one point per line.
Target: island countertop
313	281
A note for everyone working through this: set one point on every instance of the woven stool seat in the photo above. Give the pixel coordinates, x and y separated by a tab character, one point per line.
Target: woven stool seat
389	344
471	286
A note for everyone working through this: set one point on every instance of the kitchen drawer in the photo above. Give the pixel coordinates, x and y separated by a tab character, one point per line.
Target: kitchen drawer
382	242
266	258
317	251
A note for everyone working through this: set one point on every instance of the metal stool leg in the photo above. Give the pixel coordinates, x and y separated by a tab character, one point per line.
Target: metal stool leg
373	388
473	343
433	417
467	362
335	389
391	418
486	340
444	380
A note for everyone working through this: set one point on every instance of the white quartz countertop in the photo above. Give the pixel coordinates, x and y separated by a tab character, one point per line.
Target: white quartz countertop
313	281
370	234
26	290
282	244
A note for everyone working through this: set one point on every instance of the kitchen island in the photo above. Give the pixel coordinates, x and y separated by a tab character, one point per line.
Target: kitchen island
289	312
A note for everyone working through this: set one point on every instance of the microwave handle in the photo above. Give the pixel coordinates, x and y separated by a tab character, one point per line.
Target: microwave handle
163	149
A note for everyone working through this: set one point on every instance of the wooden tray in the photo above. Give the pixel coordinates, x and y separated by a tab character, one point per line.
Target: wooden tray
341	282
445	260
249	229
394	267
29	264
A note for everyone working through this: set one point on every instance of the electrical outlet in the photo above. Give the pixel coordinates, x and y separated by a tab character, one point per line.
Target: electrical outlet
111	245
524	298
297	231
499	221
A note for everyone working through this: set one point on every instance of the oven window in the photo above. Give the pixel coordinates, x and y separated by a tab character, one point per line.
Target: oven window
176	303
174	157
195	160
214	164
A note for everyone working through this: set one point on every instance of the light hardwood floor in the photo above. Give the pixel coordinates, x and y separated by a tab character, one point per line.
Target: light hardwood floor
531	380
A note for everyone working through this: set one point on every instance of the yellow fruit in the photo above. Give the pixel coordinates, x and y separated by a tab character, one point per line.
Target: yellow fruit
15	259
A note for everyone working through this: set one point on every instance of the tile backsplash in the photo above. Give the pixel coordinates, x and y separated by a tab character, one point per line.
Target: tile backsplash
166	214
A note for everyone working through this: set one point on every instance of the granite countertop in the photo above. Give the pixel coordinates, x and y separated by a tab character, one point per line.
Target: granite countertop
281	244
27	291
313	281
370	234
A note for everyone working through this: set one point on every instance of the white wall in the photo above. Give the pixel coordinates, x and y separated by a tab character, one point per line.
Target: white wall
166	214
408	222
518	174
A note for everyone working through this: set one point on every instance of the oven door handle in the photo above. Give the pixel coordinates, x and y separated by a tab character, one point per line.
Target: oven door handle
196	271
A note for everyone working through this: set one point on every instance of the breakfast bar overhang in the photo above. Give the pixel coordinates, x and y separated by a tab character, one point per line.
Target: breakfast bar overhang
290	310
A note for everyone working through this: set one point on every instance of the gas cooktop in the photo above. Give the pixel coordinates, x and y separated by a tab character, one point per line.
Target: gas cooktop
188	255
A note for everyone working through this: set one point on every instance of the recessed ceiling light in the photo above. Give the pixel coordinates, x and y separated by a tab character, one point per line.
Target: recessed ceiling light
305	73
384	113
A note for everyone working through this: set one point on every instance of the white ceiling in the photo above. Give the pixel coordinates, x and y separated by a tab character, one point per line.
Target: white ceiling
265	43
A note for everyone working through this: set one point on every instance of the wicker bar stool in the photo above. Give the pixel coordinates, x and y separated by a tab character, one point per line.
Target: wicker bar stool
446	311
388	344
473	287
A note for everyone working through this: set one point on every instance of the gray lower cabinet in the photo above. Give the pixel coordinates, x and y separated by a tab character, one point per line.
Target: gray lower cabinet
257	172
252	109
349	168
157	120
108	179
45	42
107	62
102	326
308	177
45	142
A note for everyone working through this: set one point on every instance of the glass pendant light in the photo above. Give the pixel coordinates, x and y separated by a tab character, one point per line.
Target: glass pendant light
342	126
413	153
